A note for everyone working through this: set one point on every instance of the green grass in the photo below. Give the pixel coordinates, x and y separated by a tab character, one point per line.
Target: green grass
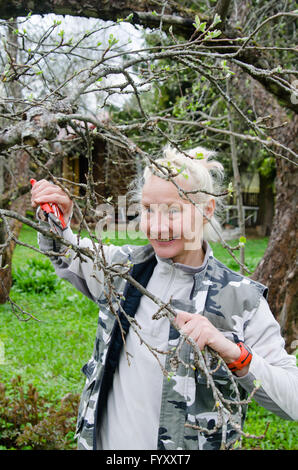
281	434
254	250
49	353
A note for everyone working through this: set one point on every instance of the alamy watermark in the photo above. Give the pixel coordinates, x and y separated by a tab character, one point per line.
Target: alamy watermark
156	221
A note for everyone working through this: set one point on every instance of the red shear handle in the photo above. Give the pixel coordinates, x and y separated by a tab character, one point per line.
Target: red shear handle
51	208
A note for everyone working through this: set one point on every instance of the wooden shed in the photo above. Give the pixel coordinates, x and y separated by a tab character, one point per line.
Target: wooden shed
113	168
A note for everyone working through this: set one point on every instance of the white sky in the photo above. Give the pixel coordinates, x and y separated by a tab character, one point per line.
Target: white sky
75	28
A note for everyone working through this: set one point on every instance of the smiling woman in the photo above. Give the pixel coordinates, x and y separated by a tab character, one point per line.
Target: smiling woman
129	400
174	225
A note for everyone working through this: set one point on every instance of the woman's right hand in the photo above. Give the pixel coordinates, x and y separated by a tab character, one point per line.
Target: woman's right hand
43	191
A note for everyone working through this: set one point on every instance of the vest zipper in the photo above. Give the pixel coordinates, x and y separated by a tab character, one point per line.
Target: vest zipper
193	288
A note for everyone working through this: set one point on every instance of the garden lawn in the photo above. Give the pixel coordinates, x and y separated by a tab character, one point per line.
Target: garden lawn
50	352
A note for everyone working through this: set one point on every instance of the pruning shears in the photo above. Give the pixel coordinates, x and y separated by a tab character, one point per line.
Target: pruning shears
52	214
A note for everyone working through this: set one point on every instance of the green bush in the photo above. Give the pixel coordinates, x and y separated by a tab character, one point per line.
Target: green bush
28	421
37	275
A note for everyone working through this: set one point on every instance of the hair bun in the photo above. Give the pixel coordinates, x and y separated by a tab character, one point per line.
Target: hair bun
202	155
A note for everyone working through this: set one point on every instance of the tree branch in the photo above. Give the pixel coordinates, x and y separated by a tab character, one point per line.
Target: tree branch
181	20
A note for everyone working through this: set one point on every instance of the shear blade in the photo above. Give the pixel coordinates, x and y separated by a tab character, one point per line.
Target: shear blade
55	224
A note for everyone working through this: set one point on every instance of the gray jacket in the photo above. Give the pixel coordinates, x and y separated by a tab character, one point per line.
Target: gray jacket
230	302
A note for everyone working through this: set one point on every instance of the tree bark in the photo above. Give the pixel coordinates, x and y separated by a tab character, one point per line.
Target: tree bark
266	206
222	8
278	268
5	266
20	171
19	167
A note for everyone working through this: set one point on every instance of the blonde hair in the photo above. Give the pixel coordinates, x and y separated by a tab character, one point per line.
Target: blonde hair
202	173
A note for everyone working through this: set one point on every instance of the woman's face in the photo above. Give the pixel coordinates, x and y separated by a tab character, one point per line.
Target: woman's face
173	226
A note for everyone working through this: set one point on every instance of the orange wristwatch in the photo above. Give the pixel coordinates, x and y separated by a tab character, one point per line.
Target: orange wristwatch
244	359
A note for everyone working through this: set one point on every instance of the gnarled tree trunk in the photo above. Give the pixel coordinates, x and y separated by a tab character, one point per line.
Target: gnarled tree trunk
278	268
20	171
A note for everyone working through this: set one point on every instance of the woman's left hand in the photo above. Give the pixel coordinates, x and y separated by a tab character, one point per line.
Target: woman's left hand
201	330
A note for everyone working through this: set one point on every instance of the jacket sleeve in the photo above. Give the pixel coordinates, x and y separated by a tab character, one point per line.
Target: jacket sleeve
271	365
81	271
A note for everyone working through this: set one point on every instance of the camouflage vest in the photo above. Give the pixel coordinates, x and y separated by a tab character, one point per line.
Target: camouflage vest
226	298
